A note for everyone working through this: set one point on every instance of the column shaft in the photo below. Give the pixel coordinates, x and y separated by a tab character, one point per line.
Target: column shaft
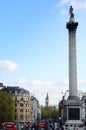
72	64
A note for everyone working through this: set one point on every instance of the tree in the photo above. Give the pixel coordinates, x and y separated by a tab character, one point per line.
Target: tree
6	107
48	112
54	114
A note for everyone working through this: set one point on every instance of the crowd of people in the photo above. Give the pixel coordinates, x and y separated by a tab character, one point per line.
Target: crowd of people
49	125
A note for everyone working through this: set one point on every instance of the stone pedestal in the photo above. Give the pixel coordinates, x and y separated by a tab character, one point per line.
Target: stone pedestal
72	111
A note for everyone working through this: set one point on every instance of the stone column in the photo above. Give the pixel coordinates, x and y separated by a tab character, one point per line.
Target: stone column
72	26
72	106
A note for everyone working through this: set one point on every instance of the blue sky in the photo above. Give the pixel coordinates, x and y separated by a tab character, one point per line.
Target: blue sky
34	46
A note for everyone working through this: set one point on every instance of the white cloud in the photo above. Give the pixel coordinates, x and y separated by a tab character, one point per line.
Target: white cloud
8	66
82	82
64	11
82	85
62	2
65	81
40	88
22	81
37	82
77	4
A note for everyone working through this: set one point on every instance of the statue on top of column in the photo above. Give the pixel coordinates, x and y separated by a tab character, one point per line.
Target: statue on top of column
71	14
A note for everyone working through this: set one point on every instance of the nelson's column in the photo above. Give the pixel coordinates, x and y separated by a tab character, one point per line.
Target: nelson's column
72	107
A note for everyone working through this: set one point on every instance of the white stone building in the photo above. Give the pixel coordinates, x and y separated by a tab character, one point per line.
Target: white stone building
35	112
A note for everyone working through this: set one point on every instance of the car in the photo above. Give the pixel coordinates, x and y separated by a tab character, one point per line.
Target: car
9	126
20	126
28	124
42	125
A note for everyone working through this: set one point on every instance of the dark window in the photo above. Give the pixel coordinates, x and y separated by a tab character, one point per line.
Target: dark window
85	102
15	118
21	117
22	99
21	105
15	98
15	110
15	104
21	110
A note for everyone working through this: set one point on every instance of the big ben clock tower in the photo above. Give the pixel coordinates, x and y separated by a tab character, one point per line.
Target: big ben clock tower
47	101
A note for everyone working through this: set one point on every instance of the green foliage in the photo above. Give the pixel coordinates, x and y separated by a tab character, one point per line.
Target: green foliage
6	107
48	112
54	114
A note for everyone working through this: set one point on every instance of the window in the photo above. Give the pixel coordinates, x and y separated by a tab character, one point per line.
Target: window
15	118
15	110
21	104
15	92
22	99
15	104
21	110
21	117
15	98
85	102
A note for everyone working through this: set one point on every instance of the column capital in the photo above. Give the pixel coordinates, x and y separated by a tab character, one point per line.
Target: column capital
72	26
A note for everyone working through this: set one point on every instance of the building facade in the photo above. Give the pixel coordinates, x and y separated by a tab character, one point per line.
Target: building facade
83	99
22	101
27	107
35	110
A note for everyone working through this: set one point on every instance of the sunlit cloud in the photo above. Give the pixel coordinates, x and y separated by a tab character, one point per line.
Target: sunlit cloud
62	2
8	66
82	82
65	82
22	81
82	85
40	88
64	11
77	4
37	82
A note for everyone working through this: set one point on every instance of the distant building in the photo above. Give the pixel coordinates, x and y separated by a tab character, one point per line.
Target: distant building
54	107
27	107
47	102
22	102
35	109
83	99
2	86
